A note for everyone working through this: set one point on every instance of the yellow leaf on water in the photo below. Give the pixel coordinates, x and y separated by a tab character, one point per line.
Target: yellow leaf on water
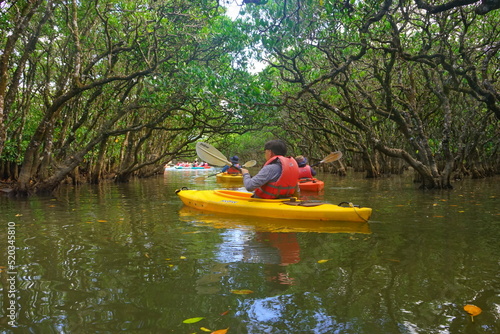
182	257
193	320
242	292
472	309
322	261
221	331
205	329
102	221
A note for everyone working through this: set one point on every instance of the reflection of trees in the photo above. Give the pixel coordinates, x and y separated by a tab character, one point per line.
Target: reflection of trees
115	274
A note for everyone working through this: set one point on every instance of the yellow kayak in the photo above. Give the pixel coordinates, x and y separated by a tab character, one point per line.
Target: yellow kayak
241	203
226	177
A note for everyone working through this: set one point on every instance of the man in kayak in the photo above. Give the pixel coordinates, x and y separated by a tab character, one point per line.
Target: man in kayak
305	171
235	168
279	176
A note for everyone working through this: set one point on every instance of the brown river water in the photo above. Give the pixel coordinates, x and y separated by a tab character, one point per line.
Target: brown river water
131	258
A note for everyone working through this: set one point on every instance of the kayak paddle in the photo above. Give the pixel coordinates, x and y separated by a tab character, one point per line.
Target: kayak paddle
213	156
334	156
210	154
247	164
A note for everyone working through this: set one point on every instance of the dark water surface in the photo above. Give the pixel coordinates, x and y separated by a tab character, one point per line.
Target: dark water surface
112	258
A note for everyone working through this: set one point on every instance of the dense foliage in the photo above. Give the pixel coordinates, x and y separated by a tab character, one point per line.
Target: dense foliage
95	89
387	79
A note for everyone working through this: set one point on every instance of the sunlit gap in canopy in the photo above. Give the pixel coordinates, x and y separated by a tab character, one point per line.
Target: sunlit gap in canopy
233	11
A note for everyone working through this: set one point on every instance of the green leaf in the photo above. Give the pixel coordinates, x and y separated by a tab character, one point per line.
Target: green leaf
193	320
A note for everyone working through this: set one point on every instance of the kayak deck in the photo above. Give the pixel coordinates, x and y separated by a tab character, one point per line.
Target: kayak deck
241	203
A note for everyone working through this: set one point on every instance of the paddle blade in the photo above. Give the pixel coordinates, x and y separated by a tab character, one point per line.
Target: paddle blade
210	154
334	156
250	163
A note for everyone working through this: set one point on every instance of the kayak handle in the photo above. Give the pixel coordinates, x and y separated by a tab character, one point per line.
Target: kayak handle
348	205
179	190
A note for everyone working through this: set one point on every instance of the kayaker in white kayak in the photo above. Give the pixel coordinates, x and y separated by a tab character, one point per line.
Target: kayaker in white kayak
235	168
279	176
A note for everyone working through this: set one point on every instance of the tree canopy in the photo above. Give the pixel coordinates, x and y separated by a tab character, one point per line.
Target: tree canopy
115	88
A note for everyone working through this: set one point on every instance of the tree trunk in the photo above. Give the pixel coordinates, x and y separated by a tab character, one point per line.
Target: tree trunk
97	169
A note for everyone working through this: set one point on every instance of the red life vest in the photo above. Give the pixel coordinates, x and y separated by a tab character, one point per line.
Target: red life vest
305	172
287	182
233	170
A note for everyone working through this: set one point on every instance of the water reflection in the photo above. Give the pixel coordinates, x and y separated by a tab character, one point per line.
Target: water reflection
132	258
271	243
227	221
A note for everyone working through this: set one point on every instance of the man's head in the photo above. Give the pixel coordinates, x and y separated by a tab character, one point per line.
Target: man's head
276	147
301	160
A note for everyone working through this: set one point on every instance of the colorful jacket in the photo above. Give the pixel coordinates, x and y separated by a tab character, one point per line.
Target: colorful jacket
286	184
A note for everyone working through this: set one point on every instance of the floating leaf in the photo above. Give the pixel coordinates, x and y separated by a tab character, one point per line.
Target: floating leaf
221	331
205	329
226	312
242	292
322	261
193	320
473	310
182	257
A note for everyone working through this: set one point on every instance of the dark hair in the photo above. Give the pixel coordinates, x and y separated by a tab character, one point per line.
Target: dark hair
278	147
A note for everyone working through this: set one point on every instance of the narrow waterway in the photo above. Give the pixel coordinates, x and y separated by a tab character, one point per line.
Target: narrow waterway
130	257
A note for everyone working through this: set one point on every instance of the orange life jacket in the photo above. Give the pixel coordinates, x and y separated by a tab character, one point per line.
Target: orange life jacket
233	170
305	172
287	182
